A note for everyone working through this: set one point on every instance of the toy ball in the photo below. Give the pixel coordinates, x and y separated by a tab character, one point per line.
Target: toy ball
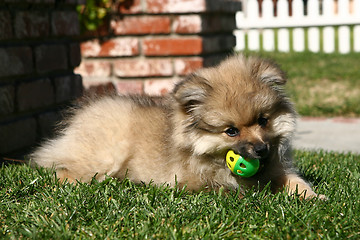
241	166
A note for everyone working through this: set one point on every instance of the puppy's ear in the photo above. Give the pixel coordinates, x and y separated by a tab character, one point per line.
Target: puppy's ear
271	74
191	92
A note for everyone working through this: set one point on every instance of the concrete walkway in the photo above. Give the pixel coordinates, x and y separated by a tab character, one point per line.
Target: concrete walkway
334	134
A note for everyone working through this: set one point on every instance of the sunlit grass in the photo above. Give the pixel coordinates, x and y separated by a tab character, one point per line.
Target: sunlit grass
35	205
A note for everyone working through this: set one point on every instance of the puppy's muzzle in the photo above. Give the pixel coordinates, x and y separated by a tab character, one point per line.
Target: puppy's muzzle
261	150
252	150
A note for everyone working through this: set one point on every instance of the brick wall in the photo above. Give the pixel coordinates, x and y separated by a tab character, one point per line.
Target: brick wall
38	53
151	44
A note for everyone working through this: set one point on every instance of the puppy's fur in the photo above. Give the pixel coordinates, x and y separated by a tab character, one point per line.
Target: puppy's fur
183	138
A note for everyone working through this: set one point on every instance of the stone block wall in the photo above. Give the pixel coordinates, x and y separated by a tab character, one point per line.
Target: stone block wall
38	52
150	44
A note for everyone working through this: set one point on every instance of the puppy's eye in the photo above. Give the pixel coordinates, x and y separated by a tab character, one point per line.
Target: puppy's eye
232	131
262	121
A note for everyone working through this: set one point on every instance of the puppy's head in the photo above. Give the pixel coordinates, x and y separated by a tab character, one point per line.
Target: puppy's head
238	105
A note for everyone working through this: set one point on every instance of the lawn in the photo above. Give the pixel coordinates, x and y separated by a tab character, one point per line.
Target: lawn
34	205
321	84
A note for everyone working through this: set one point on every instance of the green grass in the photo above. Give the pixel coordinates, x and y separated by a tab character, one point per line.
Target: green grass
321	84
34	205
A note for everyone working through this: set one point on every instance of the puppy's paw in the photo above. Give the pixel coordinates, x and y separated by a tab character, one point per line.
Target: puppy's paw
322	197
312	195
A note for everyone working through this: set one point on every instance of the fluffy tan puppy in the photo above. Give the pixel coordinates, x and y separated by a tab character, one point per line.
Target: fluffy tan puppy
238	105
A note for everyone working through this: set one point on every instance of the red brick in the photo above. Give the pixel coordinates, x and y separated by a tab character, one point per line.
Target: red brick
103	30
16	61
35	94
50	58
130	87
143	67
172	46
65	23
74	54
90	48
119	47
128	7
17	135
175	6
7	99
5	25
100	88
89	82
67	88
187	24
140	25
96	68
159	87
111	48
32	24
192	6
185	66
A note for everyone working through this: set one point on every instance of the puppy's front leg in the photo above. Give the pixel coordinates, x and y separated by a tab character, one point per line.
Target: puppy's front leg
295	184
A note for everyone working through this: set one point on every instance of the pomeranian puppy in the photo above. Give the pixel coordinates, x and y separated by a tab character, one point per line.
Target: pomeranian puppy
183	139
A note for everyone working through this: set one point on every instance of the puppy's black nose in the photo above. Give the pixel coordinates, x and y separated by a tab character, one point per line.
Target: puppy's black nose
261	149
